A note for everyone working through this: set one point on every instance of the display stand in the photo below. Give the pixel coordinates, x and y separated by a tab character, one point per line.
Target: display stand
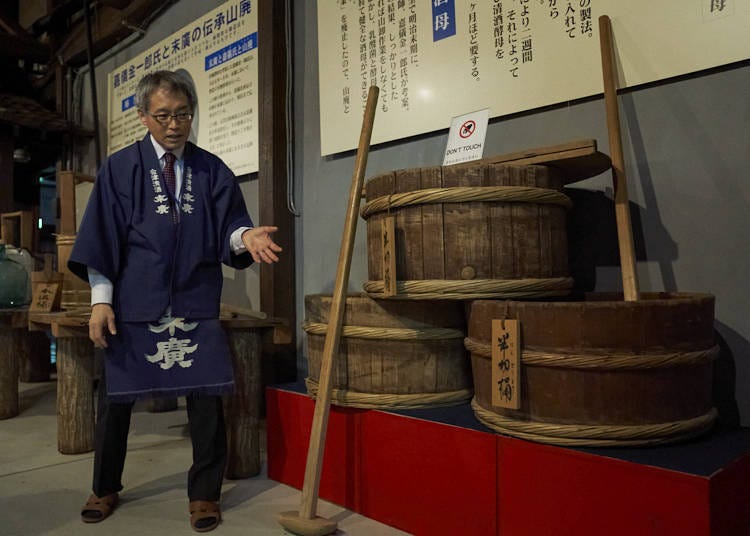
439	471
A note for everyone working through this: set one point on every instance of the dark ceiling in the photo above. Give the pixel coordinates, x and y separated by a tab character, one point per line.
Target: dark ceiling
42	44
33	59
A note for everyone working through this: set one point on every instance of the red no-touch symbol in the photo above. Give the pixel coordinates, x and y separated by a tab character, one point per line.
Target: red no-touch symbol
467	129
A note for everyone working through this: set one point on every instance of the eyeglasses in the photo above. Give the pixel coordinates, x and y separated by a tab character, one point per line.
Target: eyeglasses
165	119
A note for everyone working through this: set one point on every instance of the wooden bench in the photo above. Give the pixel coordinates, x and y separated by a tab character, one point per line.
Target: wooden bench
75	385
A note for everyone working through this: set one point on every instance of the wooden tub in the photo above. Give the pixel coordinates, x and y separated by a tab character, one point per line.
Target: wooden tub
470	231
391	354
603	371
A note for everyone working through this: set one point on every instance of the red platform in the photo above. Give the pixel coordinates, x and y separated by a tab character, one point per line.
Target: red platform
440	472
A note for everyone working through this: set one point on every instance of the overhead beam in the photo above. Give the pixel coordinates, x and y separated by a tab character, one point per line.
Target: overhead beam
111	25
11	26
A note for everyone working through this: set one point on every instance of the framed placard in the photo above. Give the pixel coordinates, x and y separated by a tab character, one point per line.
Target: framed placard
506	363
440	59
218	53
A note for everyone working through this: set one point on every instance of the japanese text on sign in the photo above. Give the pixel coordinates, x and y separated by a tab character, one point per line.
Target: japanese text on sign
218	52
437	61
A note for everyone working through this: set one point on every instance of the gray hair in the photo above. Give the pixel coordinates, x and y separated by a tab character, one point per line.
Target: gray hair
173	82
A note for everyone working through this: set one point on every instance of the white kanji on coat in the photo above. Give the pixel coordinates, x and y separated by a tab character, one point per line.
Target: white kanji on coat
172	350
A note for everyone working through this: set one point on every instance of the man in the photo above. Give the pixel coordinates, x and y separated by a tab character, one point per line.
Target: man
163	215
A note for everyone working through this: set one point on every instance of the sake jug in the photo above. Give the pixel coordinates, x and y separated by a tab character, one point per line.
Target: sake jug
14	282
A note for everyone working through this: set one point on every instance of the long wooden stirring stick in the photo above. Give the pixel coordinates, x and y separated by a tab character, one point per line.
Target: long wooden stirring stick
305	521
622	207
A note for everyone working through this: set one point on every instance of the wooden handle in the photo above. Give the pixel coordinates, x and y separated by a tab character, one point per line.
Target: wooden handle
48	260
622	206
320	417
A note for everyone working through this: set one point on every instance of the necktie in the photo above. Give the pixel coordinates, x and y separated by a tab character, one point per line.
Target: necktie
169	177
171	182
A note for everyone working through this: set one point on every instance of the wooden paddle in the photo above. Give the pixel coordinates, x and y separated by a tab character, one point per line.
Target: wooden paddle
622	206
305	521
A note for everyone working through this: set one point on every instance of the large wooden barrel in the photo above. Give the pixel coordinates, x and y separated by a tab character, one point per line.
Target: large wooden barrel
76	293
392	354
602	372
470	231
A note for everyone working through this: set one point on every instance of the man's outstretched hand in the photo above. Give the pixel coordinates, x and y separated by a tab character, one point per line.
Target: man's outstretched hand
258	242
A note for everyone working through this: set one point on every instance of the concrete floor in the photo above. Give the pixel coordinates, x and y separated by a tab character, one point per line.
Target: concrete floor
41	490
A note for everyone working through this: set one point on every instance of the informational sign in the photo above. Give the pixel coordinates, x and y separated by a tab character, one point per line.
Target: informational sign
436	59
219	54
466	137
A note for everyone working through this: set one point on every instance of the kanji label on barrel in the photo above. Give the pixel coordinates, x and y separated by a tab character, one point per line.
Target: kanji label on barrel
506	364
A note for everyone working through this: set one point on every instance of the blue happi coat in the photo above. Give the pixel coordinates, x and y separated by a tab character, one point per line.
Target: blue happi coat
159	263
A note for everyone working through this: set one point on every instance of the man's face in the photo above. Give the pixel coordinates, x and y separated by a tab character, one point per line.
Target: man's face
172	134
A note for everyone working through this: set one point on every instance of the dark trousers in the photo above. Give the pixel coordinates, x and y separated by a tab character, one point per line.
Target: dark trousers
207	433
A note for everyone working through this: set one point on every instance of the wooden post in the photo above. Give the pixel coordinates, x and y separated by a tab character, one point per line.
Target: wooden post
242	409
35	357
66	192
277	280
6	171
622	204
75	395
10	342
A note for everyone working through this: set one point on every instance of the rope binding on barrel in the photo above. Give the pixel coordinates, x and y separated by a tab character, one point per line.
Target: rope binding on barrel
473	289
585	435
601	358
379	333
356	399
467	194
